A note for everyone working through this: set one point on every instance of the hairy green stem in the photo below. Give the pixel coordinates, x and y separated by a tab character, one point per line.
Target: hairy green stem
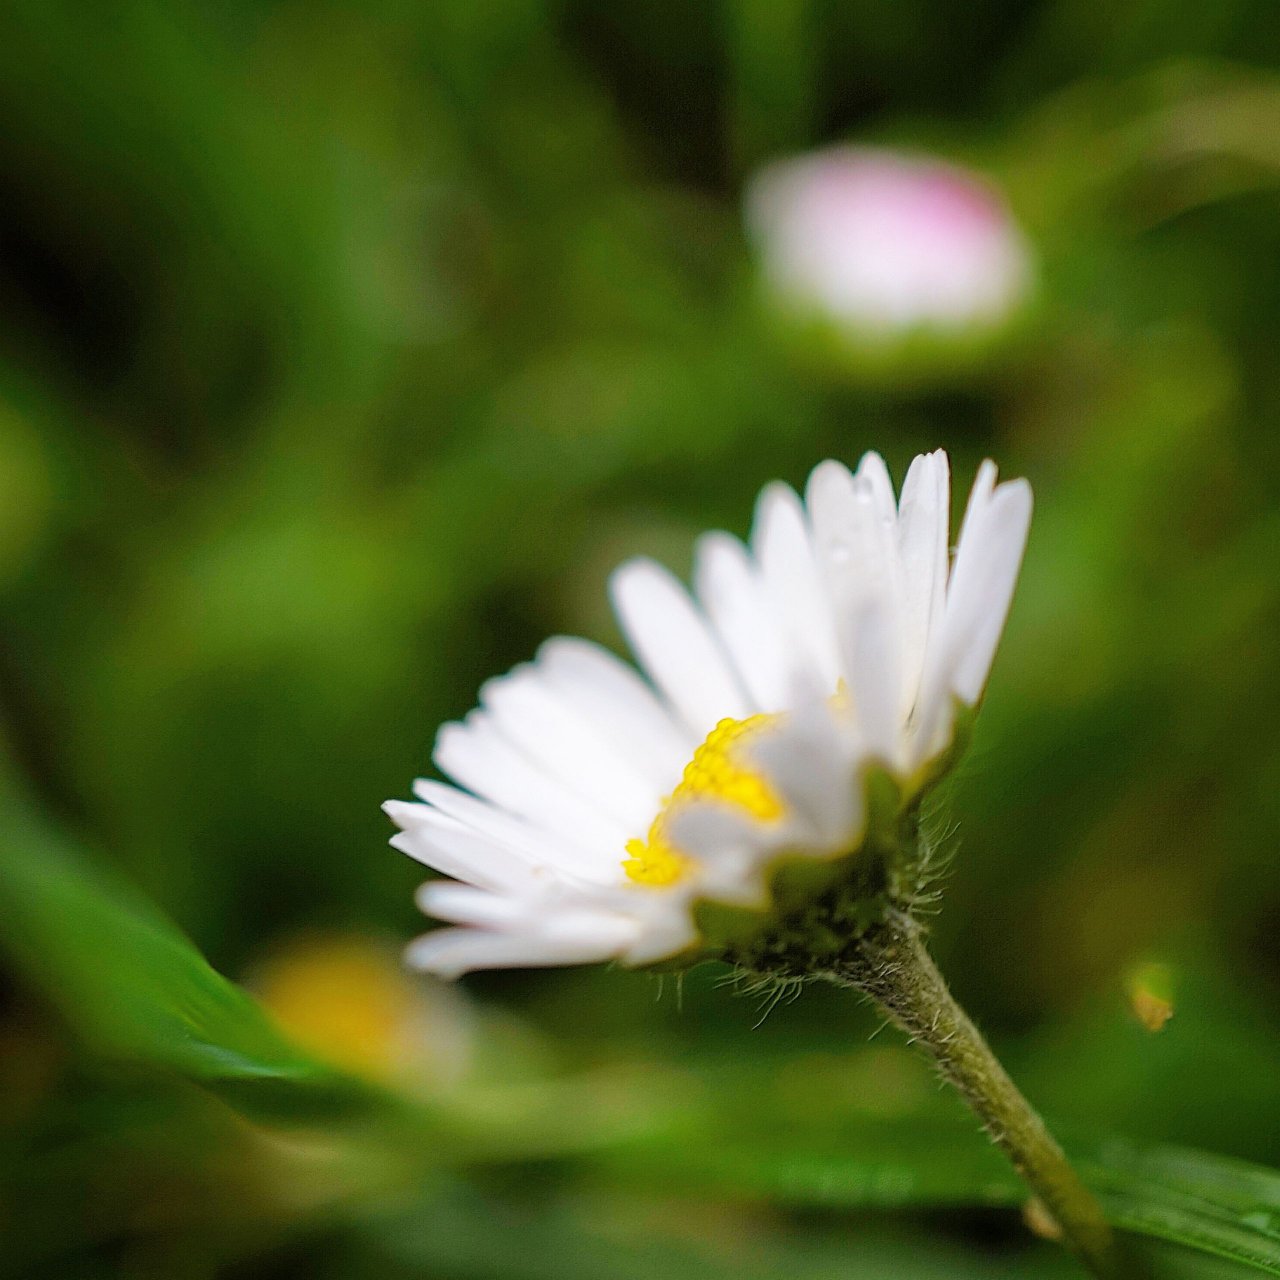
893	966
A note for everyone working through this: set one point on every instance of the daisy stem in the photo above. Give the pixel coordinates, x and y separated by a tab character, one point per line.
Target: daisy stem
894	967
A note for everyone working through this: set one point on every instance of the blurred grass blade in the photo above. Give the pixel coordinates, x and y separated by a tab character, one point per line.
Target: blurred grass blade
1191	1213
579	1236
928	1162
134	988
1208	1204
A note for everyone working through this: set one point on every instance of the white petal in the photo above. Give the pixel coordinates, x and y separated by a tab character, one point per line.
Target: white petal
475	755
463	904
534	845
675	646
729	845
875	677
454	850
712	831
664	935
875	475
736	603
880	575
536	720
599	684
813	769
992	538
857	555
983	594
923	529
449	953
831	502
984	485
784	551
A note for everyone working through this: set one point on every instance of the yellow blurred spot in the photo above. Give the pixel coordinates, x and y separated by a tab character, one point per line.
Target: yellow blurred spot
344	999
1152	1011
712	774
1150	991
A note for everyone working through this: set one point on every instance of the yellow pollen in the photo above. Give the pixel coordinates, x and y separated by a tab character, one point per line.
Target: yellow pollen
713	774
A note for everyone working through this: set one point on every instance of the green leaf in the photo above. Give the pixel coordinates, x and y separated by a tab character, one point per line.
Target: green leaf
1208	1204
582	1236
133	988
1190	1213
900	1164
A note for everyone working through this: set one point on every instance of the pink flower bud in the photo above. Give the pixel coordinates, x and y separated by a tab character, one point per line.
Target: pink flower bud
882	244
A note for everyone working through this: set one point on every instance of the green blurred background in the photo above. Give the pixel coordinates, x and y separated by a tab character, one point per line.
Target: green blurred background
344	348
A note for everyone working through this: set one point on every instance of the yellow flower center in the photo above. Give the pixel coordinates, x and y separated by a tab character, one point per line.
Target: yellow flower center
714	773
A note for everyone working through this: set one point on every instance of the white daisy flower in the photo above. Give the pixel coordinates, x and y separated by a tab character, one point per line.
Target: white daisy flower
598	813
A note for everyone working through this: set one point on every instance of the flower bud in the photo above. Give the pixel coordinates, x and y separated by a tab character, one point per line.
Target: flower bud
886	253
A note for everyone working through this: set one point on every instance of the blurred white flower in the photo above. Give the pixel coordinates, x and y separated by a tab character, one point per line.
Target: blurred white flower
882	244
601	809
